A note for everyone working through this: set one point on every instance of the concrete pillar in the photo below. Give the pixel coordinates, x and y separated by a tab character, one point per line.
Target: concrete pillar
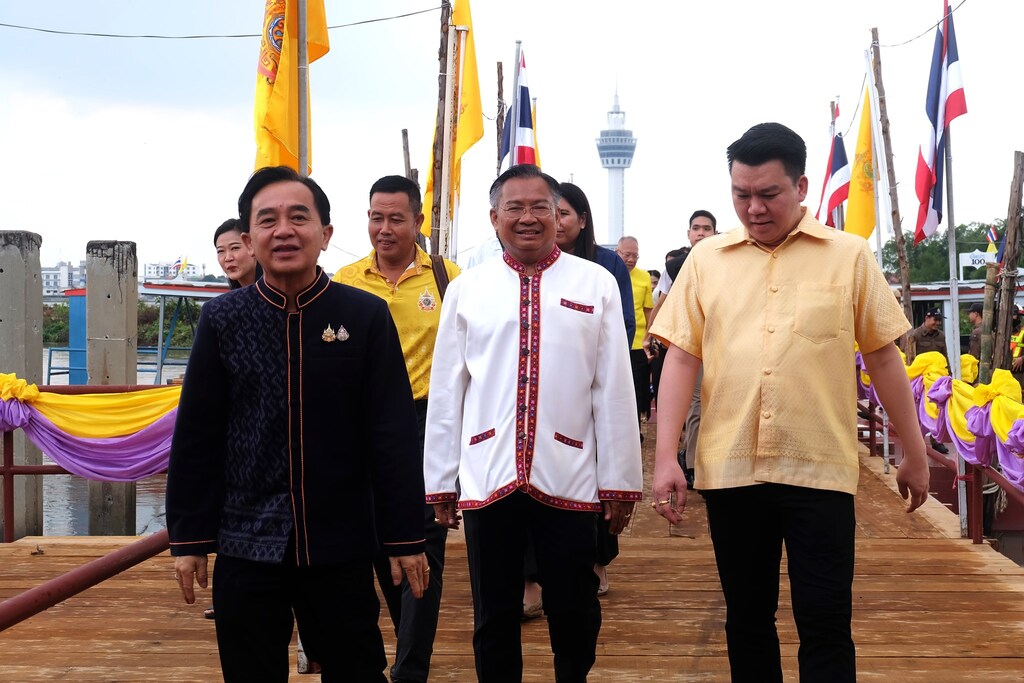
21	352
112	321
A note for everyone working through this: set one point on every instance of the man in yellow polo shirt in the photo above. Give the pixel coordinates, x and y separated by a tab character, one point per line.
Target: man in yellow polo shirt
628	250
401	273
777	455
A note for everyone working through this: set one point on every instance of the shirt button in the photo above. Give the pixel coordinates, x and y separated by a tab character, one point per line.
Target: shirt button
774	288
767	371
766	415
774	255
525	351
771	329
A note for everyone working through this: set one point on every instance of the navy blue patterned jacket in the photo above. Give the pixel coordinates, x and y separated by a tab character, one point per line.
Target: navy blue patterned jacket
296	423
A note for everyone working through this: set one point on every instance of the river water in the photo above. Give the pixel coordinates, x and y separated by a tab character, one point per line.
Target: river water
66	497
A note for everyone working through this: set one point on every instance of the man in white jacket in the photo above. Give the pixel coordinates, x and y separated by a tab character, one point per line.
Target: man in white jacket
532	411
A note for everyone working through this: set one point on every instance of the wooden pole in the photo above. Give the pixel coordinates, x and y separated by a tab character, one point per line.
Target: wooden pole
303	91
897	222
1001	354
501	114
405	153
987	320
442	87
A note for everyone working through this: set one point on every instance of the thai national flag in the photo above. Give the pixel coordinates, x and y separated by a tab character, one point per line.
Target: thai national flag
945	102
836	188
992	235
523	153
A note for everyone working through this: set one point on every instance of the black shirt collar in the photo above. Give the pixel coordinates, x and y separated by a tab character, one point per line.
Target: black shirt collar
303	299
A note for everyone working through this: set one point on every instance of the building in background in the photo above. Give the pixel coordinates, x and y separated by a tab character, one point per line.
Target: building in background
166	270
62	276
616	147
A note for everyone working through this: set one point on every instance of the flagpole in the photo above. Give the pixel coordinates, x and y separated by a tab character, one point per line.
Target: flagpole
444	235
882	216
513	138
303	91
436	160
453	220
837	216
953	328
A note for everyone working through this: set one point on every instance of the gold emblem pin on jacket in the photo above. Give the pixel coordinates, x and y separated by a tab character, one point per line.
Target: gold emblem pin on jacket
329	335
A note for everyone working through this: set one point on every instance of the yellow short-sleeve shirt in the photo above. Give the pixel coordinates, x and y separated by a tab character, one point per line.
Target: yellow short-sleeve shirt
776	332
642	298
414	304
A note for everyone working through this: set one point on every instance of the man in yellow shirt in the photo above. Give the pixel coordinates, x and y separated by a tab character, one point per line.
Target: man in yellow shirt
401	273
628	250
777	459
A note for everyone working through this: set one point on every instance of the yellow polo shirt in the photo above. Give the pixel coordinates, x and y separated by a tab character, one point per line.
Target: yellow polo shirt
414	305
776	332
643	298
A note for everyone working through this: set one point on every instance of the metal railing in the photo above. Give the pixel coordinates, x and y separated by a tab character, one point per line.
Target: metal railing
24	605
9	470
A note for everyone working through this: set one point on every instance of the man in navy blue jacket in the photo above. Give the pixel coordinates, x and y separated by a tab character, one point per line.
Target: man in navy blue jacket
294	455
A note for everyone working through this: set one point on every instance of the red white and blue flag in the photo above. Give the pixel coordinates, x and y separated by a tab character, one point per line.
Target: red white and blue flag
945	101
836	187
523	151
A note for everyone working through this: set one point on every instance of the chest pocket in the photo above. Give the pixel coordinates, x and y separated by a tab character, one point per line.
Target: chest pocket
819	311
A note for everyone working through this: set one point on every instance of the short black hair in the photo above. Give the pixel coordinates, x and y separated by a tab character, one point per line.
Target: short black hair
279	174
770	142
393	184
655	273
701	213
230	225
522	171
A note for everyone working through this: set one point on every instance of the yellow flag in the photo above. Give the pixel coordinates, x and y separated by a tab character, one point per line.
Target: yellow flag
277	104
860	207
470	121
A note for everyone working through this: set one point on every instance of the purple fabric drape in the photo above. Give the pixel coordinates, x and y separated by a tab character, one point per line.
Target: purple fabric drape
120	458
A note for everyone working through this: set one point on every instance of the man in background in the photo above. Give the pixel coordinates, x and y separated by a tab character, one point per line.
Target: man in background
413	284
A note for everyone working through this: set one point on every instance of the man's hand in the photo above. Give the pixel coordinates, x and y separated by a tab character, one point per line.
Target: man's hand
617	513
1017	363
414	568
912	479
650	348
447	514
668	481
187	568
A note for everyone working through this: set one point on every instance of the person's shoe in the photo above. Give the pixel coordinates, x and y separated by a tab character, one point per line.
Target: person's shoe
602	579
209	613
688	473
940	447
533	610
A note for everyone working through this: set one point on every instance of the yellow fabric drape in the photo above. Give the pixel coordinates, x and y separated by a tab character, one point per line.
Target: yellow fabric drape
96	416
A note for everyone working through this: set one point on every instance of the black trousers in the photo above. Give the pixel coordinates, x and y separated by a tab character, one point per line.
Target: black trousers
641	381
415	620
748	528
336	608
565	546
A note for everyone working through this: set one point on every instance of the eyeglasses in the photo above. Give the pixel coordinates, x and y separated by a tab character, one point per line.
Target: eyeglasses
536	210
628	254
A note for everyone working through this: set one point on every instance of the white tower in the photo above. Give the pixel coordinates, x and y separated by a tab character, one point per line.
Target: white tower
616	146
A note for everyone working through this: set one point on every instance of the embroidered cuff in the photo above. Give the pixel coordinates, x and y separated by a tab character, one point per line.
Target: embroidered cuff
620	495
441	498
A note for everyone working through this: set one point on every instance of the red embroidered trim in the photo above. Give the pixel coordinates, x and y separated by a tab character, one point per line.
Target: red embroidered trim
440	498
567	441
563	503
482	436
582	308
500	493
620	495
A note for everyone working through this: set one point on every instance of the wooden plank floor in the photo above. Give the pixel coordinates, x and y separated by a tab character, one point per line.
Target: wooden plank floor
927	607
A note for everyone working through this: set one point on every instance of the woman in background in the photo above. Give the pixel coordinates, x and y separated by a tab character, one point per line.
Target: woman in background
236	259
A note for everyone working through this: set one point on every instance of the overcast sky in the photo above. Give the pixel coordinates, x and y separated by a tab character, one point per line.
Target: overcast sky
152	140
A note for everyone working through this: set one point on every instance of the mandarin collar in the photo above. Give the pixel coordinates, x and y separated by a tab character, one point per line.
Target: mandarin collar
541	265
302	299
808	225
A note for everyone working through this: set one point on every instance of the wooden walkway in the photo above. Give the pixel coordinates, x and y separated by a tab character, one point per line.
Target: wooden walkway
927	607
